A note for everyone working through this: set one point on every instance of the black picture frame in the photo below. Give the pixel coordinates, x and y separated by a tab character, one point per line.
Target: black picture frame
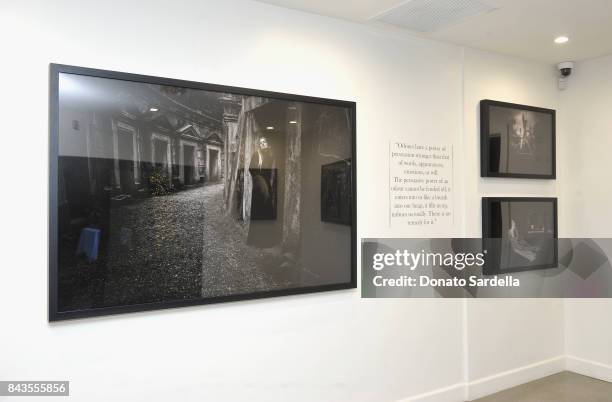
490	152
495	243
336	192
54	314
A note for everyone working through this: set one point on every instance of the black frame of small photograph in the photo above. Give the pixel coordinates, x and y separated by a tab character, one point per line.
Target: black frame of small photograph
485	170
54	73
492	259
325	215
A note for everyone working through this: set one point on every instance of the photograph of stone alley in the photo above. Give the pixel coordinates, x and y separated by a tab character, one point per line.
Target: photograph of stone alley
168	193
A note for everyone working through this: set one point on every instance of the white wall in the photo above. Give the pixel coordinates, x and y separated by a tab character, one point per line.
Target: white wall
498	77
506	334
587	128
321	347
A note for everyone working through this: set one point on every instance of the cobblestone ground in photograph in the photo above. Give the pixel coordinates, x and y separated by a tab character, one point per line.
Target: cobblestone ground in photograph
229	265
172	247
155	249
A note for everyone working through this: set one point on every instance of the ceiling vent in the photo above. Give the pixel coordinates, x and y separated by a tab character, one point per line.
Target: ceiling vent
432	15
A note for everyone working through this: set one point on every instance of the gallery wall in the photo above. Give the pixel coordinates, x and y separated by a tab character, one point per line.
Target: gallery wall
531	329
324	347
320	347
587	129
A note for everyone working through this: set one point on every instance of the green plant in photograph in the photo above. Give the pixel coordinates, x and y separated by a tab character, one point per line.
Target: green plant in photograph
159	183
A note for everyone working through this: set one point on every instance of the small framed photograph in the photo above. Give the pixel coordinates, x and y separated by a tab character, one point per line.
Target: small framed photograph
517	141
519	234
336	192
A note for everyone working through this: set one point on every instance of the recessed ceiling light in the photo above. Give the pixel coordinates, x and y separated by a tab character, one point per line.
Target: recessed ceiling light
561	40
270	128
153	109
292	122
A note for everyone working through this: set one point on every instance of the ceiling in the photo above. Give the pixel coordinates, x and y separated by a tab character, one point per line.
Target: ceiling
524	28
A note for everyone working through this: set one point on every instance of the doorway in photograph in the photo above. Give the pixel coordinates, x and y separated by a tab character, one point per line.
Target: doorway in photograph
126	160
160	151
213	164
188	164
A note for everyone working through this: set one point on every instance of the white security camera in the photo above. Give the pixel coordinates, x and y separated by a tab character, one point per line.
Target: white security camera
565	69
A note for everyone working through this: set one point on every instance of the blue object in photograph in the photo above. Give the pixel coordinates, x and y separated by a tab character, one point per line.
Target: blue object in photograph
89	241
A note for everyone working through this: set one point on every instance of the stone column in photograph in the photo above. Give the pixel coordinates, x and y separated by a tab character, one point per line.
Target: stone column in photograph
232	105
293	179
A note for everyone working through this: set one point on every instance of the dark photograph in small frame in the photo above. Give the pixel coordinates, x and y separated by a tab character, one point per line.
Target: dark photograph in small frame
336	192
519	234
517	141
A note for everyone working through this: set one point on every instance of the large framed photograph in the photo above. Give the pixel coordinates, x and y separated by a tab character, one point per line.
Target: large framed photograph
519	234
517	141
167	193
